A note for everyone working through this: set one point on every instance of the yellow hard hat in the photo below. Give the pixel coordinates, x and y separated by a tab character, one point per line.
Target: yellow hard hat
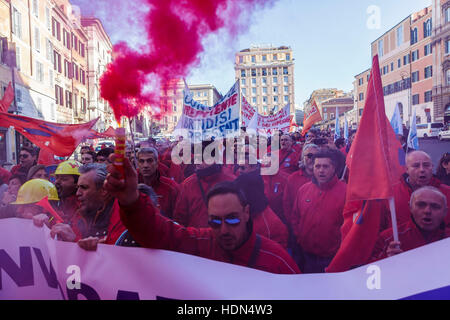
68	167
35	190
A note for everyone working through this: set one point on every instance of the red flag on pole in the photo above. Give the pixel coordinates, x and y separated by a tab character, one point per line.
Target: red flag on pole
371	177
312	115
7	99
60	139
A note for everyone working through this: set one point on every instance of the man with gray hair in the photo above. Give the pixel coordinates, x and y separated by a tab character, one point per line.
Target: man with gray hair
428	209
149	174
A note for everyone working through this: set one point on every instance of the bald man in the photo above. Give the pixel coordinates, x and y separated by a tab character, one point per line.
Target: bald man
419	173
428	208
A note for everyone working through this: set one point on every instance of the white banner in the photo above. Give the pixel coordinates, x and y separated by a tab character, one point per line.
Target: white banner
199	122
268	125
247	112
135	273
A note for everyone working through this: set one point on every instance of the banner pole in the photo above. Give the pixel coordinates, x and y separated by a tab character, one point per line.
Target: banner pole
393	218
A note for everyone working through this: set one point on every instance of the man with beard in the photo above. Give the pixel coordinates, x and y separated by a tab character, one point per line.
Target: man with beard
165	188
191	208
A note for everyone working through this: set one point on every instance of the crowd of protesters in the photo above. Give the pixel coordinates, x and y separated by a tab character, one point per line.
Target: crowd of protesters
287	223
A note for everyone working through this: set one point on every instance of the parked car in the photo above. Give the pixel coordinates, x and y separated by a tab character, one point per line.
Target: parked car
444	135
429	130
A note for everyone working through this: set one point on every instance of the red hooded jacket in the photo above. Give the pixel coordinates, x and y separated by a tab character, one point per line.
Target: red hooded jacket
294	182
402	196
410	237
317	217
190	208
267	224
152	230
274	188
288	160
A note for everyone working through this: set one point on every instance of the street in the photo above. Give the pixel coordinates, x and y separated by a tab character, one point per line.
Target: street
434	148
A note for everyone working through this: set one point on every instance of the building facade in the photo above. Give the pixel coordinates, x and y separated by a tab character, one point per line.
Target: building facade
441	60
266	77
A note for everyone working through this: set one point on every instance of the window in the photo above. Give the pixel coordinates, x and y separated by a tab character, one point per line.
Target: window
50	76
399	63
415	76
37	39
81	50
274	71
264	80
428	96
243	82
253	81
380	48
288	57
68	99
82	76
415	55
428	72
360	112
361	96
47	19
286	89
368	77
253	72
275	80
264	90
175	119
59	95
57	63
414	36
17	23
427	28
253	59
253	91
428	49
241	59
447	46
264	99
67	69
416	99
49	50
325	116
286	79
360	81
39	71
74	42
286	99
66	39
448	77
18	65
392	66
56	29
275	99
254	100
264	57
75	72
275	89
285	70
406	59
399	36
264	72
331	115
243	74
244	91
35	8
447	15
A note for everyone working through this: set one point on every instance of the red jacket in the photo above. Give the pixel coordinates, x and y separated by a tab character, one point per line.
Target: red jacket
288	160
4	176
402	196
410	237
152	230
267	224
167	191
190	208
274	187
317	217
294	182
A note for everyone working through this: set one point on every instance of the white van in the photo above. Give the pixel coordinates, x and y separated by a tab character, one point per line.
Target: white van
428	130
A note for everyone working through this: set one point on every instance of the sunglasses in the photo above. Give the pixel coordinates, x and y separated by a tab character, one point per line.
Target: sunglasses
23	156
310	155
217	222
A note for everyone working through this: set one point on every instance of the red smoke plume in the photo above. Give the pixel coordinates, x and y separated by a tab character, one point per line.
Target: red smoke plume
175	30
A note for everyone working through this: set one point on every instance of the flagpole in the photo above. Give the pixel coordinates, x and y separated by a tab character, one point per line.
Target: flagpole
132	142
393	218
344	172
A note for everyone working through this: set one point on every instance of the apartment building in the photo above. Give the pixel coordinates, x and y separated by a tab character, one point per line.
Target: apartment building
266	77
441	60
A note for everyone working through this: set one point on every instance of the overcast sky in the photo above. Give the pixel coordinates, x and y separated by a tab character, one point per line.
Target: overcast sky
330	40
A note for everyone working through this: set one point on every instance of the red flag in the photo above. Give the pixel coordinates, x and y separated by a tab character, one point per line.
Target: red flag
48	207
60	139
47	158
292	125
7	99
312	115
371	177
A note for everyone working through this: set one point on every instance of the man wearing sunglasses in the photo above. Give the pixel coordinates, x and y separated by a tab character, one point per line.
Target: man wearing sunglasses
229	238
26	159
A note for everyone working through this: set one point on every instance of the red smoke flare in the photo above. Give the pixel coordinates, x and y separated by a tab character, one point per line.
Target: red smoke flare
175	30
